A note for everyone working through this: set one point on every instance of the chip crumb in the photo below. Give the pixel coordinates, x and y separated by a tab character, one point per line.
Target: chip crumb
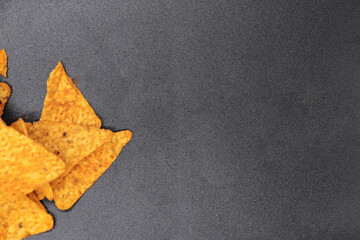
5	92
3	63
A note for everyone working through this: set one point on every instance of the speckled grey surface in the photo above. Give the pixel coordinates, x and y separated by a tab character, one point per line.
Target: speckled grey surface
245	113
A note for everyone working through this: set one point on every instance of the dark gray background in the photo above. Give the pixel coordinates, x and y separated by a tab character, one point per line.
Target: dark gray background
245	113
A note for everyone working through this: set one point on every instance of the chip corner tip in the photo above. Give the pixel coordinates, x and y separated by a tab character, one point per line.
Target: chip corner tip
59	66
61	205
123	134
3	63
4	73
51	222
129	134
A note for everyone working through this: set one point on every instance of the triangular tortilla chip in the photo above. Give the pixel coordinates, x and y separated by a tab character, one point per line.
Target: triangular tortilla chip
3	62
5	92
24	217
65	103
43	191
69	188
24	164
70	142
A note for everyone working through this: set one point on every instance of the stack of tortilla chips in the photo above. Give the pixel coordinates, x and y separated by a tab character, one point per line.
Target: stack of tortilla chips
58	157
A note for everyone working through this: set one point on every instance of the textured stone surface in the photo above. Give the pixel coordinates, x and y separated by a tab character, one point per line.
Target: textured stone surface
245	113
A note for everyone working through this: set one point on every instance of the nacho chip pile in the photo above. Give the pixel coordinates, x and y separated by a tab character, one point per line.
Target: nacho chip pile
58	158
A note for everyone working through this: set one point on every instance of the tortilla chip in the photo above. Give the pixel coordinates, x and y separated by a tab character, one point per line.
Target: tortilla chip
70	142
3	62
24	164
44	191
69	188
65	103
5	92
26	217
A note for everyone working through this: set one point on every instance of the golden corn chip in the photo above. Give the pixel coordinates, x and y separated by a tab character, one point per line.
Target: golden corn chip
65	103
3	62
69	188
70	142
24	164
26	217
44	191
5	92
